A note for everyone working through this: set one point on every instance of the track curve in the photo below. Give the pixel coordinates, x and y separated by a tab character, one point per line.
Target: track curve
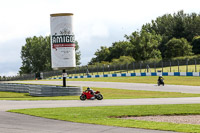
18	123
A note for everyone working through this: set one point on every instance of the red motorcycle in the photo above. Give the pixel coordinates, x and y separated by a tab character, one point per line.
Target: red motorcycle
91	95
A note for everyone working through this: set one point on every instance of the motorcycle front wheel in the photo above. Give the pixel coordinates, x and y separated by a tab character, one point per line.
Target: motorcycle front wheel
99	97
83	97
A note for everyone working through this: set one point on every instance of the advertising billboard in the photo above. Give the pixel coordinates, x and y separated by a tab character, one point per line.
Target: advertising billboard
62	41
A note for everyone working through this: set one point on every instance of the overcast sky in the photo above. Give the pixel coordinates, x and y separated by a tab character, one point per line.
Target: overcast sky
96	23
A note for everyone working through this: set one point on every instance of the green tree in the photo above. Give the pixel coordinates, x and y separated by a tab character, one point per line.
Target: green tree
122	60
177	47
36	55
101	54
78	54
192	26
196	45
145	45
171	25
177	25
121	48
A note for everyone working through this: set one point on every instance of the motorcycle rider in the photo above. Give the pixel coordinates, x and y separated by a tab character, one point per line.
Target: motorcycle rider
160	80
90	90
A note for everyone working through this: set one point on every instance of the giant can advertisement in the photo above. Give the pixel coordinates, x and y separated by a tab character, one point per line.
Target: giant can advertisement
62	41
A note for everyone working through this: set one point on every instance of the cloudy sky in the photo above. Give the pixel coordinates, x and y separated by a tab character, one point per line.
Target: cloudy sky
96	23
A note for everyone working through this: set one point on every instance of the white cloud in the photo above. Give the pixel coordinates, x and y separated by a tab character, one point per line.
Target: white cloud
99	30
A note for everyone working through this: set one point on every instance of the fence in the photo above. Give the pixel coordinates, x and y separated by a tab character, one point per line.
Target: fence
135	67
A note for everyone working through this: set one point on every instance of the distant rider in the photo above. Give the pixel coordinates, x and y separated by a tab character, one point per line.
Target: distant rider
160	79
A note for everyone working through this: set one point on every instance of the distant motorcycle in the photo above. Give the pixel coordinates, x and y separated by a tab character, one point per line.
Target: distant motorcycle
91	95
161	81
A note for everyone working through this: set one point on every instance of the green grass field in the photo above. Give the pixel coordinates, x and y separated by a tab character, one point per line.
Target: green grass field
107	115
108	93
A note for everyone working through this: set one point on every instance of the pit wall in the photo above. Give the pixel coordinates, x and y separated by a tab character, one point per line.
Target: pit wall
137	74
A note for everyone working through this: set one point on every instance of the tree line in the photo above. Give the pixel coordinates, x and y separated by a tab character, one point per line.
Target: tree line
169	36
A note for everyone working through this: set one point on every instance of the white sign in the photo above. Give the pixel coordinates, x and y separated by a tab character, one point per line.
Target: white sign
62	41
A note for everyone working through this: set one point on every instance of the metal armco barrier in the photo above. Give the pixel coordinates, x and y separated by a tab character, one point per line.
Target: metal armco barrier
41	90
21	88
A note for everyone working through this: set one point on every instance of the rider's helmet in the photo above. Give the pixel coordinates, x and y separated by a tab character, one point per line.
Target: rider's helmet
88	88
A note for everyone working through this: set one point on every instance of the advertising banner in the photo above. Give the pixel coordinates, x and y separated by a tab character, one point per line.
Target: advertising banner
62	41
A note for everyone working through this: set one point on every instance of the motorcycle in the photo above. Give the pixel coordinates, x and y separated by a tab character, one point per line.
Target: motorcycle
161	82
91	95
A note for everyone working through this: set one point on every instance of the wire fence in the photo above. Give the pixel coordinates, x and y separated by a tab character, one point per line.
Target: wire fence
134	67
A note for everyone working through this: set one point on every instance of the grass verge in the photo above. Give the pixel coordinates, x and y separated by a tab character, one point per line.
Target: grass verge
105	115
108	93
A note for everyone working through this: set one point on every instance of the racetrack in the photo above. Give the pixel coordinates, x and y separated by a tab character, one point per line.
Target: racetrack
117	85
7	105
18	123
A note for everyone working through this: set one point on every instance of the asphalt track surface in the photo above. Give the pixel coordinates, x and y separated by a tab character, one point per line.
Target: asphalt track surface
129	86
18	123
